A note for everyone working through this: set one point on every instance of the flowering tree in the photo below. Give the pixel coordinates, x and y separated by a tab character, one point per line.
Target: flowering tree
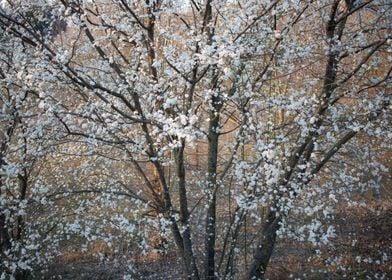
23	148
269	92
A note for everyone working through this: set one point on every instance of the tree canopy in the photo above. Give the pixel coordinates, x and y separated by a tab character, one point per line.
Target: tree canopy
193	125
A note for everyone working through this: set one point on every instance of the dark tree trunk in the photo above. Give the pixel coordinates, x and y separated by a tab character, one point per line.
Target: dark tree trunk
213	137
22	275
189	259
5	239
265	247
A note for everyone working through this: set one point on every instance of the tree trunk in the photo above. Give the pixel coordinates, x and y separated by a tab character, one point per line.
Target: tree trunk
22	275
5	239
213	137
265	247
4	236
189	259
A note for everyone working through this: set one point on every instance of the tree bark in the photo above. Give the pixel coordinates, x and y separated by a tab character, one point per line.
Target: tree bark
265	247
213	138
189	259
